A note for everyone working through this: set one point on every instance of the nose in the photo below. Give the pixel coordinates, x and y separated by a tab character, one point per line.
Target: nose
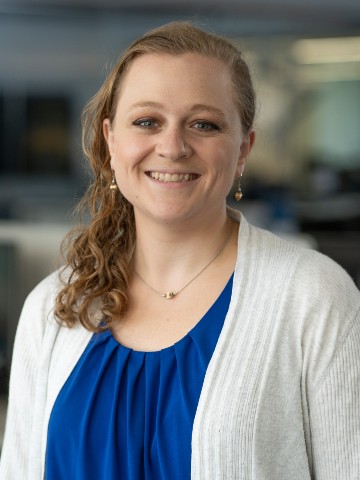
172	144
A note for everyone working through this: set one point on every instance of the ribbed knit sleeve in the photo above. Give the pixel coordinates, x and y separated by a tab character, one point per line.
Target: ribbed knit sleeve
24	390
335	413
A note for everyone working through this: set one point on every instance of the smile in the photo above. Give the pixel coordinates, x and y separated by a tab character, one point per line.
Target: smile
173	177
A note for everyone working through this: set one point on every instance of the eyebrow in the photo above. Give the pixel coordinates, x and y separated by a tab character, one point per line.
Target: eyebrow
194	108
147	104
207	108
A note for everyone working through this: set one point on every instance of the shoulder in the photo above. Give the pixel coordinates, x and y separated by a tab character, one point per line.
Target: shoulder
37	313
41	298
314	303
48	286
312	289
308	272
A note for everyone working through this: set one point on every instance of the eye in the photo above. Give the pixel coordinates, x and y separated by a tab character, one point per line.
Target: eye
145	123
205	126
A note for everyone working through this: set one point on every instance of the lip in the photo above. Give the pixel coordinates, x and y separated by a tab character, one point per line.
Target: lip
172	176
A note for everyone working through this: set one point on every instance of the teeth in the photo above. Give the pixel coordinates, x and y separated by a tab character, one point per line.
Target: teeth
172	177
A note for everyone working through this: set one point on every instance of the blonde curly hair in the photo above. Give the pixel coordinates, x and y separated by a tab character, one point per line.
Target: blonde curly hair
99	255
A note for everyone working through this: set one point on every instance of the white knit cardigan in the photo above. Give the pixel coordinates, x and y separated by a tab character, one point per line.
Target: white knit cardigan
281	395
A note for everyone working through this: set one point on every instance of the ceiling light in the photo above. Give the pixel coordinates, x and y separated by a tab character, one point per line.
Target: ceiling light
327	50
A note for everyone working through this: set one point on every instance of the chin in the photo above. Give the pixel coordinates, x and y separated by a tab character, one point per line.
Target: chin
168	216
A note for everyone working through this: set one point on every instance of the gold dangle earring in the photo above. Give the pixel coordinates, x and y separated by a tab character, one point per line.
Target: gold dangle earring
113	185
238	194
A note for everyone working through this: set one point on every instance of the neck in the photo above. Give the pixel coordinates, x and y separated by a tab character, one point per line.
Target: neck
167	256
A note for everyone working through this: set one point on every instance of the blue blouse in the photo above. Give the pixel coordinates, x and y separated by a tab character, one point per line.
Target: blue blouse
128	415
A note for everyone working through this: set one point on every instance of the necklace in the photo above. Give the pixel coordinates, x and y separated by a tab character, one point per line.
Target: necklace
171	294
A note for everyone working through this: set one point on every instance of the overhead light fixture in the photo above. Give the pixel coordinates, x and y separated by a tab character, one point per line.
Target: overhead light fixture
327	50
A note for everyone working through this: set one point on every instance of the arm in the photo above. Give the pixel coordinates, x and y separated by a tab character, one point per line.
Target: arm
21	422
335	413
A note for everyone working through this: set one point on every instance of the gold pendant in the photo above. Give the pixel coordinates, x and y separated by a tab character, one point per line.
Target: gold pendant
169	295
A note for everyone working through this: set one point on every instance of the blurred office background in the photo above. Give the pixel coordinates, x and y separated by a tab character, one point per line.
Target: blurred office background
303	177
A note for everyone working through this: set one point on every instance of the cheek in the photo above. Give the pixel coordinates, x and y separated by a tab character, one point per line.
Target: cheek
225	158
129	152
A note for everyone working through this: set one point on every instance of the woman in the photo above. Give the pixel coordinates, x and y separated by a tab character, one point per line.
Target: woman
183	342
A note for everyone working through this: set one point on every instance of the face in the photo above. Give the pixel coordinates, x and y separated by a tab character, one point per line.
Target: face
176	142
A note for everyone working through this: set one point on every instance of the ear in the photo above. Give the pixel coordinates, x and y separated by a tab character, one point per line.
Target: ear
245	148
109	136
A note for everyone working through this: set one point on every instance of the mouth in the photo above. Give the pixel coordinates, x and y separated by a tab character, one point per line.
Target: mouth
173	177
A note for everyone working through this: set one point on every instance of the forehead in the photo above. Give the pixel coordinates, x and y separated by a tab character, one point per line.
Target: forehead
189	58
161	74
